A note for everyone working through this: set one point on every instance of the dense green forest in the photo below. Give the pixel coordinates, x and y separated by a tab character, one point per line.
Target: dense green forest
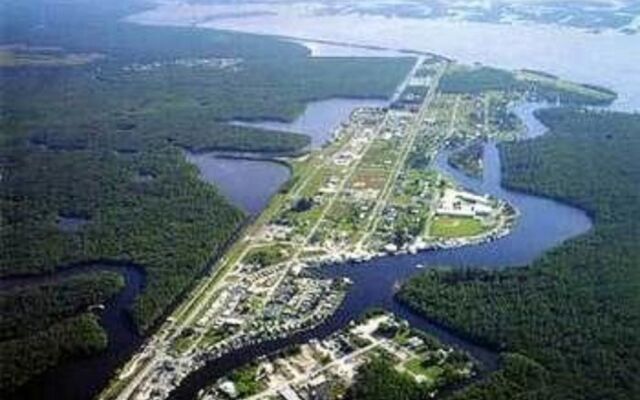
32	308
574	312
102	143
30	355
379	380
38	323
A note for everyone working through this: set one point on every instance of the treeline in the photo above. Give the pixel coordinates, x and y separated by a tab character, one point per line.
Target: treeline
574	311
171	222
547	88
96	28
519	377
45	323
131	111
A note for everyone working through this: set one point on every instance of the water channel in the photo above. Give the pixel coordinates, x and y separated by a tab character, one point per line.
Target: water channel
542	225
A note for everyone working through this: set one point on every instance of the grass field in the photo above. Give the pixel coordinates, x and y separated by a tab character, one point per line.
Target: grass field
416	367
369	179
267	255
452	227
9	58
561	84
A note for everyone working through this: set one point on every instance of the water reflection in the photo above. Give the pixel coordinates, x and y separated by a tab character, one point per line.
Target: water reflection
319	119
247	183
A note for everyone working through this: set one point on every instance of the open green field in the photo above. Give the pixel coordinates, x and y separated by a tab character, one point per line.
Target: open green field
416	366
453	227
476	80
598	93
369	179
265	256
11	58
381	154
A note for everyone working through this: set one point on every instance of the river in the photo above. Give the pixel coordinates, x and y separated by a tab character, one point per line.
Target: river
542	225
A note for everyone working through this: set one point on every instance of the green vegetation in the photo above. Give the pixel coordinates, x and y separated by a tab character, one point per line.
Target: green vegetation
28	356
34	57
467	80
39	327
419	367
246	381
519	377
572	315
453	227
379	380
476	80
29	309
267	255
103	142
468	160
170	224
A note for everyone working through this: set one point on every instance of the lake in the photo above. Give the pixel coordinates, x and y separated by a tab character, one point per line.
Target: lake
247	183
608	58
319	119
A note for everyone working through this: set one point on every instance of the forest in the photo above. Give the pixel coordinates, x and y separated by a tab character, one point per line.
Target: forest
103	143
574	312
43	323
35	307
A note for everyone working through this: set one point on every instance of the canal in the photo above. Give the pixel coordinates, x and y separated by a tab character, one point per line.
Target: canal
542	225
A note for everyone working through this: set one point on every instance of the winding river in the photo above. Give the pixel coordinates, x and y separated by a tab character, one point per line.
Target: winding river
543	224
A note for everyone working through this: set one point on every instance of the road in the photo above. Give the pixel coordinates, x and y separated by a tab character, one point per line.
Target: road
415	128
158	348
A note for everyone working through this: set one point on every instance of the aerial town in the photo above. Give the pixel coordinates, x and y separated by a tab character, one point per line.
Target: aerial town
370	192
323	369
